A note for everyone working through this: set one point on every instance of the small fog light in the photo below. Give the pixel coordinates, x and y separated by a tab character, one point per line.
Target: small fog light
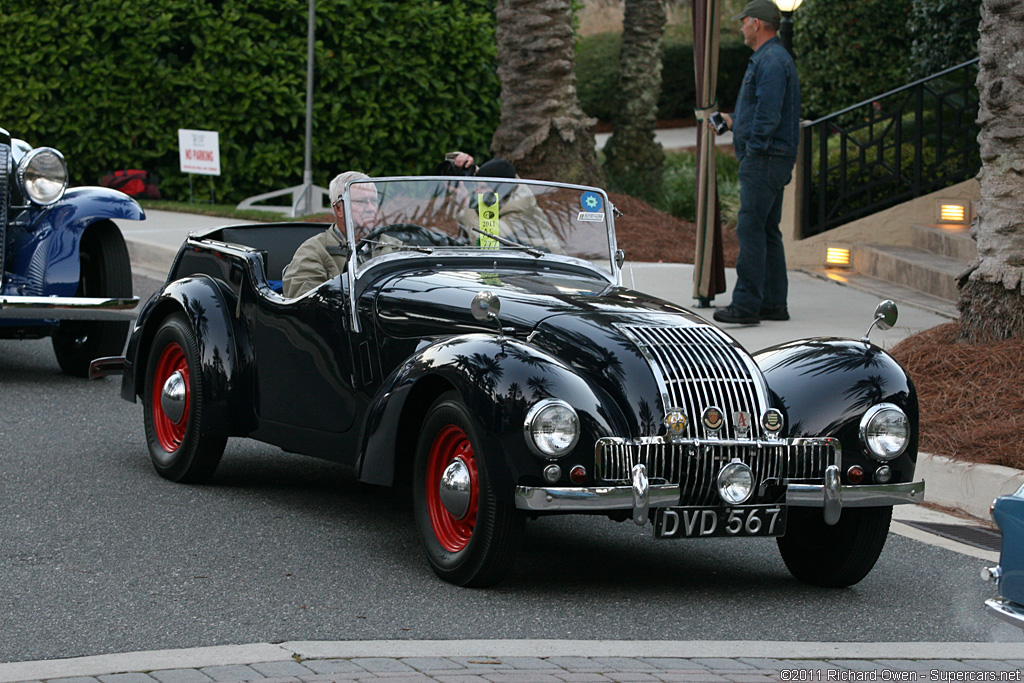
883	474
855	474
735	483
552	473
578	474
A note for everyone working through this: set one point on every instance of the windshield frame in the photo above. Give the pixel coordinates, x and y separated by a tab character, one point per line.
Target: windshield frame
358	271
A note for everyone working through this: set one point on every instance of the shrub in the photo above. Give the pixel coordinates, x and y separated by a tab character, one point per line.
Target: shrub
849	51
944	34
597	73
110	83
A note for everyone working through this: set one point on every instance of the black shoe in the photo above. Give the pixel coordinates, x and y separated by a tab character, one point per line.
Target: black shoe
731	314
778	313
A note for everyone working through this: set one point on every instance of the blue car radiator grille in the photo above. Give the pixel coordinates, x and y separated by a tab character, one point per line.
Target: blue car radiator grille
694	463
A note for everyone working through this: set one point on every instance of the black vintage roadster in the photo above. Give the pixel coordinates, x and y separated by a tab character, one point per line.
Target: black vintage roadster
493	361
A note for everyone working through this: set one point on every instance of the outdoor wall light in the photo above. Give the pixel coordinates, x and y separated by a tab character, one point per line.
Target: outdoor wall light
788	5
837	257
954	211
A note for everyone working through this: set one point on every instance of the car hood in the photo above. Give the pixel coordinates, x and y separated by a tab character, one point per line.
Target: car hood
587	324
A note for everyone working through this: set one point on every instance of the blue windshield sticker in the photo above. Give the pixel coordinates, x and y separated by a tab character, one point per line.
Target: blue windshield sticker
591	201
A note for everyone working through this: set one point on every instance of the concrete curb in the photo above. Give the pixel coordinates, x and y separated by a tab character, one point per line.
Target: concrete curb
253	653
966	486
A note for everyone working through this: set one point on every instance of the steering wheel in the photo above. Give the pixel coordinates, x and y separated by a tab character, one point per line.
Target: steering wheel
407	233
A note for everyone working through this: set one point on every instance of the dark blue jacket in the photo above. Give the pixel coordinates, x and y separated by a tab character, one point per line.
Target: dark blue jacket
767	116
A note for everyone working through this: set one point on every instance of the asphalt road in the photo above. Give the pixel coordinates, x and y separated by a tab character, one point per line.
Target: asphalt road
98	555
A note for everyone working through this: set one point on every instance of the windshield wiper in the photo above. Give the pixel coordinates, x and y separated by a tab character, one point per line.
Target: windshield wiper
532	251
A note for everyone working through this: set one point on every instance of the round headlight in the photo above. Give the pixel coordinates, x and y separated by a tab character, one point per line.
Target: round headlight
885	431
735	483
43	175
552	428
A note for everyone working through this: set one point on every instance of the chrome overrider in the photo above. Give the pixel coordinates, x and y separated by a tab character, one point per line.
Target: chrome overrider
1005	609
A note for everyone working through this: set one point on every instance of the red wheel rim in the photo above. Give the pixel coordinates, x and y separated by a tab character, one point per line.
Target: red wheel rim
169	434
451	443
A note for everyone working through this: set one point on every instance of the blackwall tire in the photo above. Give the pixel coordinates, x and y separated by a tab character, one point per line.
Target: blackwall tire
834	556
479	548
106	271
174	384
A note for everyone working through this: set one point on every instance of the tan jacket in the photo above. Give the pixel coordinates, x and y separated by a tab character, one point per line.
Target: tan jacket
316	261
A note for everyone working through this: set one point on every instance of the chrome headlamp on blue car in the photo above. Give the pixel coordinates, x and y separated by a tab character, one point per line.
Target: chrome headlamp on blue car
64	266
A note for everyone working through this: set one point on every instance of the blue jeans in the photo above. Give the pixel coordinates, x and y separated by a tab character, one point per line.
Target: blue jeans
761	265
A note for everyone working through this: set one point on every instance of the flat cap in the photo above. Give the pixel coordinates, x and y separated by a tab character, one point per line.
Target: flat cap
766	10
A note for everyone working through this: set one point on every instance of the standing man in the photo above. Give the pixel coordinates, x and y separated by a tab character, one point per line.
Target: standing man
766	129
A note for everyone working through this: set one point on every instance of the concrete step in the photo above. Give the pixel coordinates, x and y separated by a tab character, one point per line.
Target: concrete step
946	240
901	294
910	267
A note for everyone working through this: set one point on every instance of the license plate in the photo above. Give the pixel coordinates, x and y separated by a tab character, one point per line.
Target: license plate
706	522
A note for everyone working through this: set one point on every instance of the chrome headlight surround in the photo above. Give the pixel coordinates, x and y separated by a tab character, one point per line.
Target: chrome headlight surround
551	428
885	431
735	483
42	175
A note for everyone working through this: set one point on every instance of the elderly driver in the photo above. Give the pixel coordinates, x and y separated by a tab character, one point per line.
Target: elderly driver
325	256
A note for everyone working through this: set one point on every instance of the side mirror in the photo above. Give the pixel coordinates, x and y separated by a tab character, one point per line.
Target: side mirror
886	314
620	258
486	306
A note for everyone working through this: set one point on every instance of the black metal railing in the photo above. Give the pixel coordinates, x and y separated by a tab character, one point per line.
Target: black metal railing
889	149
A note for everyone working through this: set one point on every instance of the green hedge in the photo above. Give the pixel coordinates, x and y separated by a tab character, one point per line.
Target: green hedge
109	83
597	73
849	51
945	33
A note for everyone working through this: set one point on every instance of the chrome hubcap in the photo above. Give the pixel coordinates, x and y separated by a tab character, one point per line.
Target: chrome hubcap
172	397
456	489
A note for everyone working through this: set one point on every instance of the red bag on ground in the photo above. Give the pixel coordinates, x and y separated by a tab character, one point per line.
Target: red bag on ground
133	182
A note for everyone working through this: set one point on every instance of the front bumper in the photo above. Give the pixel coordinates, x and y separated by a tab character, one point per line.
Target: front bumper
831	496
1007	611
68	308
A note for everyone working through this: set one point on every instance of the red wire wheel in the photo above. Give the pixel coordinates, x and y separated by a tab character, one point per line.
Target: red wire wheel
169	434
451	444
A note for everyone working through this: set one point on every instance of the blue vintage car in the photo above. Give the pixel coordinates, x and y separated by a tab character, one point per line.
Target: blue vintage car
64	267
490	360
1008	511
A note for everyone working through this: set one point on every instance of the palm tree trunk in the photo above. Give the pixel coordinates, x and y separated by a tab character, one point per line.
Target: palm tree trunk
631	152
543	131
992	295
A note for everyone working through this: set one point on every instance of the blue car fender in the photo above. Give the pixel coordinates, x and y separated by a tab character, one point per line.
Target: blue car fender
498	381
225	351
46	249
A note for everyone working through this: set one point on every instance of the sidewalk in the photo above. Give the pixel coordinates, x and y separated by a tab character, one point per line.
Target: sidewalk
536	661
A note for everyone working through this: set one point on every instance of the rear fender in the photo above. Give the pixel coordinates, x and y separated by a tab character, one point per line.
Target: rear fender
224	348
498	381
44	260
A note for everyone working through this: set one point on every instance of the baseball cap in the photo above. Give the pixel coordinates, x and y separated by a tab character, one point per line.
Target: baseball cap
766	10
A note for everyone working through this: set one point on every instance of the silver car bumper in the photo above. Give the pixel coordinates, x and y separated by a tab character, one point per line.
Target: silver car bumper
68	307
830	496
1007	611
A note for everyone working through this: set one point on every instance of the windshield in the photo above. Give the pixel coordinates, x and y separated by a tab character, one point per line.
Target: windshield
470	215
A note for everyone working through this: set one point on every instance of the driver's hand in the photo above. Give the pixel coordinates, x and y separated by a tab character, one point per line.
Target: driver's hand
463	160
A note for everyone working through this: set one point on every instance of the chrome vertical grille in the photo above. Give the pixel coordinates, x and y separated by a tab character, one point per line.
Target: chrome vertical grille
696	367
694	464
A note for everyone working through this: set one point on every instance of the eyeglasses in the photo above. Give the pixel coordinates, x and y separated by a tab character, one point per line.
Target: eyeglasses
364	203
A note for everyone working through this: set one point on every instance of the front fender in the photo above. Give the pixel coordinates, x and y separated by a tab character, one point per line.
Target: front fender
498	380
47	240
224	348
824	386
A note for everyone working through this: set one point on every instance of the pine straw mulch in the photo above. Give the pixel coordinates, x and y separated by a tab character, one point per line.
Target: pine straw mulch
971	395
